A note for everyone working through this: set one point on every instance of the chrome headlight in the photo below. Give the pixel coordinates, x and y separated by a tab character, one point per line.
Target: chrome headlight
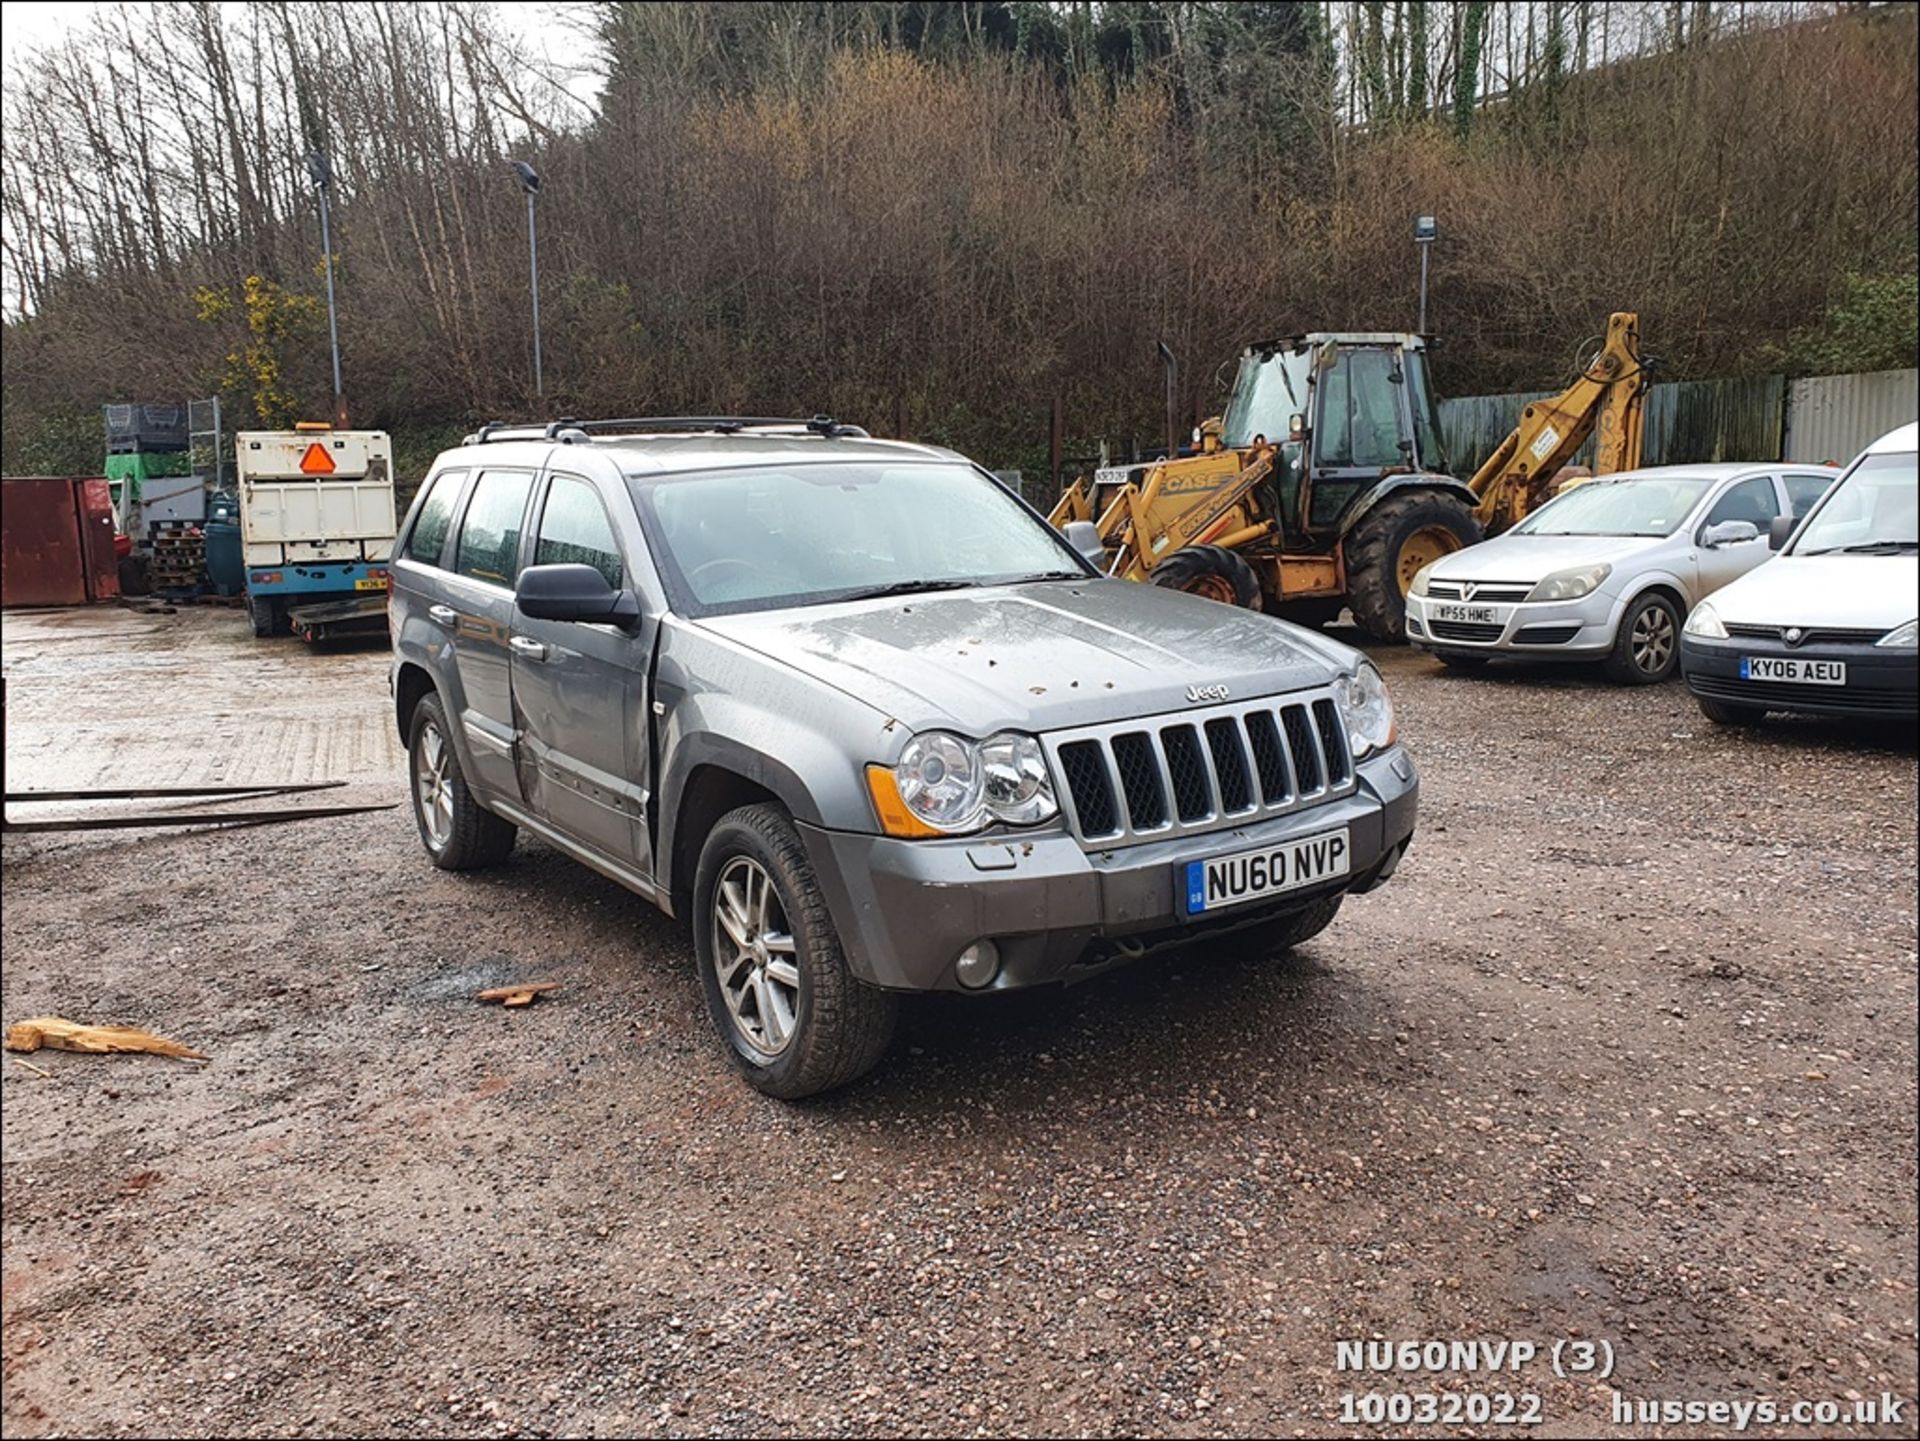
1902	637
1571	584
1017	788
1420	578
1365	709
956	785
1705	621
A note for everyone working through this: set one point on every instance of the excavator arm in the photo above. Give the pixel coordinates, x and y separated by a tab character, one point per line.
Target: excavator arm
1610	394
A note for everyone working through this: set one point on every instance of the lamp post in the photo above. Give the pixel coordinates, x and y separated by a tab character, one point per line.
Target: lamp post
530	182
1424	233
323	182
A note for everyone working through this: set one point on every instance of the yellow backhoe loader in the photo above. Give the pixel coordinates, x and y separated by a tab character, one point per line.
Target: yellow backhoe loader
1323	485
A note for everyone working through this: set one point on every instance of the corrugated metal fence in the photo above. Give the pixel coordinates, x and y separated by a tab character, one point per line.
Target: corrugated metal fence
1833	417
1764	418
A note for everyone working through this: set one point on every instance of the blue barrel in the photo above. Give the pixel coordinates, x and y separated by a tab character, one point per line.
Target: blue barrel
226	564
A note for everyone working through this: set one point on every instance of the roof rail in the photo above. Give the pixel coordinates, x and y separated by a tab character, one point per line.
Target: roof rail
822	425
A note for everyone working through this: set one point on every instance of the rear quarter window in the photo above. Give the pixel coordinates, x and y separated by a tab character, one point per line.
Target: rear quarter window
433	518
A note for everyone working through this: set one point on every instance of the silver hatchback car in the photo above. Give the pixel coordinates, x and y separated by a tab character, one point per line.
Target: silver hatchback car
871	725
1607	571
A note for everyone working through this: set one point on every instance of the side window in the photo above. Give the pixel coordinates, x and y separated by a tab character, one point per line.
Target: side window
574	530
1751	499
1804	490
490	533
435	517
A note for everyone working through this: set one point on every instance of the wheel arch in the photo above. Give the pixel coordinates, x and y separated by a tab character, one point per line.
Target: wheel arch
710	790
1360	505
412	683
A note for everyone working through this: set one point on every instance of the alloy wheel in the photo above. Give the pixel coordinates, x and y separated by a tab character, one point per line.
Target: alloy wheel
754	957
1652	640
433	783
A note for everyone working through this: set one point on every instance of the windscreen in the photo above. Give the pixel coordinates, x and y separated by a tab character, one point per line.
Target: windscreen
1267	394
1875	507
769	536
1623	505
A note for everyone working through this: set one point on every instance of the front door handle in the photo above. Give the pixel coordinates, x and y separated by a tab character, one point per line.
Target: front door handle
528	647
442	614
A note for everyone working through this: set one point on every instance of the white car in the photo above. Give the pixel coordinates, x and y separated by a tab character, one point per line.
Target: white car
1608	570
1828	626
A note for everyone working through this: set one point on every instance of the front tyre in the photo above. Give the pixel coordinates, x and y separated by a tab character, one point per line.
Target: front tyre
794	1019
1212	571
1647	646
457	831
1728	713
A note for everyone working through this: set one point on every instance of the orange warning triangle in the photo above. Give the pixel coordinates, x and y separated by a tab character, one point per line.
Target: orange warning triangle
316	461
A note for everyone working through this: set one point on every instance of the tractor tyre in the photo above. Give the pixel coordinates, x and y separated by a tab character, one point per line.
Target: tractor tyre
1390	545
1211	571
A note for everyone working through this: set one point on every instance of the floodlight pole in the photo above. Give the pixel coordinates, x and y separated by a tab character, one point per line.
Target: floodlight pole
322	182
530	182
533	262
1424	233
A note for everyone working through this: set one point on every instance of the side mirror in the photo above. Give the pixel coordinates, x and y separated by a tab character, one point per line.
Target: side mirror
1781	530
1729	532
573	592
1084	536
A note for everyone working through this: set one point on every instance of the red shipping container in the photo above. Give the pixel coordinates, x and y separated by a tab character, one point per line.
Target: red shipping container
56	542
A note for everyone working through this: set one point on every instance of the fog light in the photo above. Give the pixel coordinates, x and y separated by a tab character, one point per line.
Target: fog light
979	963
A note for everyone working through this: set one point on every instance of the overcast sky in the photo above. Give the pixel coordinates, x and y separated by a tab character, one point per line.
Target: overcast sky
29	24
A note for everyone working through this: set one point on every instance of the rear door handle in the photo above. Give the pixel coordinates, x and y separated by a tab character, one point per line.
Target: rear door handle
525	646
442	614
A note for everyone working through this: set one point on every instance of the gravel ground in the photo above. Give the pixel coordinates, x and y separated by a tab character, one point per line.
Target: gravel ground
1625	1053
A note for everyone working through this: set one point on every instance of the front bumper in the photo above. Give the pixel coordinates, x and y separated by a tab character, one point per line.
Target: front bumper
1882	683
1058	911
1576	629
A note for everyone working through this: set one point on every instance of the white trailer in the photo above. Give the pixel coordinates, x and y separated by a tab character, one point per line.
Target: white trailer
316	517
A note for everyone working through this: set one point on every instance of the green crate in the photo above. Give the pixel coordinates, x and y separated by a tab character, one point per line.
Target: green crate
149	465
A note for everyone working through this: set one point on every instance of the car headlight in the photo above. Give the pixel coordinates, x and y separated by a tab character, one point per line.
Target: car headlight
1366	710
1902	637
1705	621
1420	578
946	784
1571	584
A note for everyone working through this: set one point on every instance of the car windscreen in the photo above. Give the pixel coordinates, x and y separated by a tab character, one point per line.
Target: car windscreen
1624	505
805	534
1874	507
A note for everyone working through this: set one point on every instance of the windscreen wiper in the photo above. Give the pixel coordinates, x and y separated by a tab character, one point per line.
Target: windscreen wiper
907	587
1047	575
1869	547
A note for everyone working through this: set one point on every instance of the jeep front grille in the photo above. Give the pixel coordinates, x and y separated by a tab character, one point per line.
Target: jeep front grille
1195	771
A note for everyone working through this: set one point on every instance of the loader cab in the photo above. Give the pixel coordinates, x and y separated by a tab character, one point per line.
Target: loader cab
1346	409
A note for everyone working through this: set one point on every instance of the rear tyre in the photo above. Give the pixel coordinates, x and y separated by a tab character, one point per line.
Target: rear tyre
1388	548
794	1019
1283	933
1727	713
459	834
1647	646
1454	660
267	616
1212	571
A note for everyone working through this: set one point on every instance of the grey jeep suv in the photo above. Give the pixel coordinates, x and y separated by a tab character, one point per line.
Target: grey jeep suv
862	716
